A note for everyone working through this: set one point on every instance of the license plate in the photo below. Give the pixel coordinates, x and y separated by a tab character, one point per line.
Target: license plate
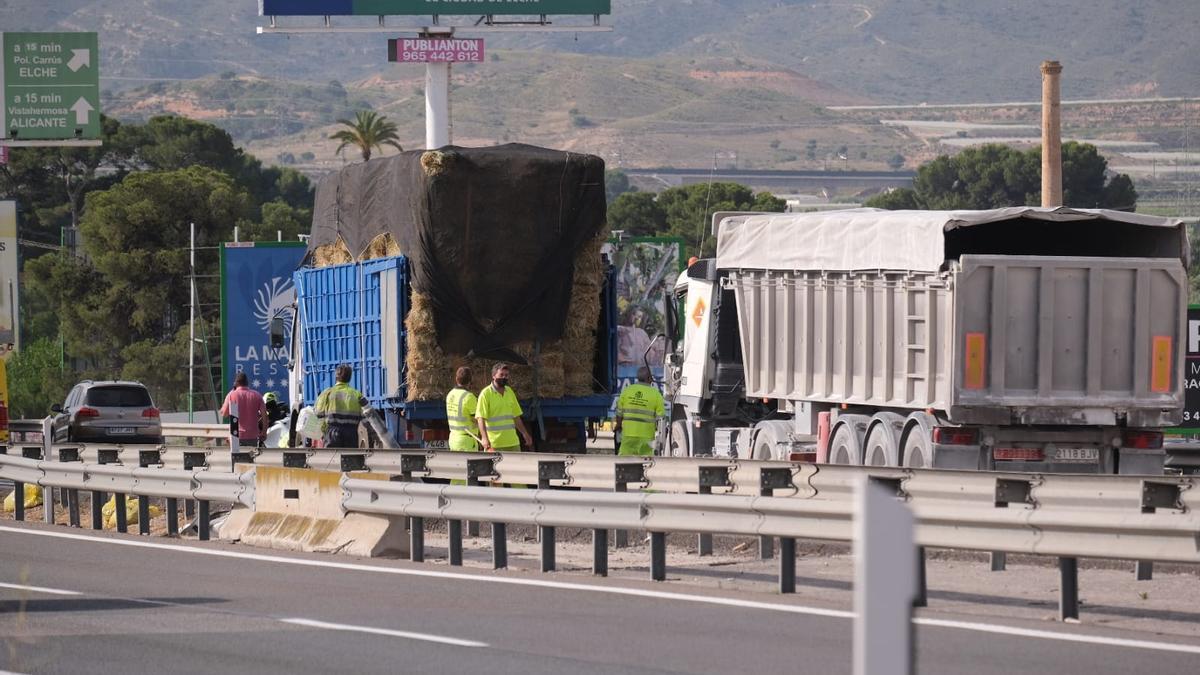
120	431
1076	454
437	445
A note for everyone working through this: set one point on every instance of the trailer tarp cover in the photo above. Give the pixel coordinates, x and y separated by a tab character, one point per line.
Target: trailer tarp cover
875	239
492	234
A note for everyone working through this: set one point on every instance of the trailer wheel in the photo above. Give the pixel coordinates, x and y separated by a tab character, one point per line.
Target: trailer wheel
679	438
916	446
883	440
844	447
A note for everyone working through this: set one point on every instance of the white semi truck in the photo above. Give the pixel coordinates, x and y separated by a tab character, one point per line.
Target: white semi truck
1028	339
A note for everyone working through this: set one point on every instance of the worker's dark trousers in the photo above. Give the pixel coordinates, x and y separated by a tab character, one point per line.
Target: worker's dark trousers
341	436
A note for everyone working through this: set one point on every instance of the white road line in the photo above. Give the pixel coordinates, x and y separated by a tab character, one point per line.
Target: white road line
1063	637
995	629
39	589
425	637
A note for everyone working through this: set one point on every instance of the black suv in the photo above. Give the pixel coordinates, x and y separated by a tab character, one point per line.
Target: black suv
107	412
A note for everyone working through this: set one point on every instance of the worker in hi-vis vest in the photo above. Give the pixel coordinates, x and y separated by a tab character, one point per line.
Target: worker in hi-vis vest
460	413
638	409
340	409
499	415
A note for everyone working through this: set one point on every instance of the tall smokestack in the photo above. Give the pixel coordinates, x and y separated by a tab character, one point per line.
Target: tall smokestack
1051	134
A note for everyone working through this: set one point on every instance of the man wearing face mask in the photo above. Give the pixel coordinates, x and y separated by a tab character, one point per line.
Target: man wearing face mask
498	414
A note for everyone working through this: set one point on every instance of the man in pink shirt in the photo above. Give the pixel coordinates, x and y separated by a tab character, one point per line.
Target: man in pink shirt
248	406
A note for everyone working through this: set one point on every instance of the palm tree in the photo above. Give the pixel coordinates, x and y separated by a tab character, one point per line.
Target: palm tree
368	131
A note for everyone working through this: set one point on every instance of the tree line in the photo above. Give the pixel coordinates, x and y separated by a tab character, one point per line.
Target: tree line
113	302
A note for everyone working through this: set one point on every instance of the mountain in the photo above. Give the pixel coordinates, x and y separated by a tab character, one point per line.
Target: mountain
882	50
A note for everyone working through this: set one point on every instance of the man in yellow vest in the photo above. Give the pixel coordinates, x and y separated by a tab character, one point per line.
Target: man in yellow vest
460	413
499	415
638	409
340	409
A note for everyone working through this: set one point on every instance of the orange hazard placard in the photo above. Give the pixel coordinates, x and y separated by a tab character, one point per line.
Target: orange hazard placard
698	312
976	359
1160	365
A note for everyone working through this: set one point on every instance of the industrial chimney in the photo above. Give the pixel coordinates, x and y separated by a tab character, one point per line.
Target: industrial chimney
1051	134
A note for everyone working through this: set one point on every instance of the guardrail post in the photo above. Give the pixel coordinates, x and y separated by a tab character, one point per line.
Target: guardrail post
204	520
1144	570
97	510
413	463
787	565
454	533
658	556
143	514
48	504
73	507
189	508
549	470
122	515
499	546
921	596
600	552
172	517
999	560
1068	598
416	536
484	466
547	534
710	477
769	481
18	500
625	473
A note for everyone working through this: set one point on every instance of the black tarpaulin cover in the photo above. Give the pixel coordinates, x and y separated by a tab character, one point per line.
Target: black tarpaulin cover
492	233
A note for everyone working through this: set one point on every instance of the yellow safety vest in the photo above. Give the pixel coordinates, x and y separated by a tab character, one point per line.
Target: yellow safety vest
340	405
639	406
500	411
460	414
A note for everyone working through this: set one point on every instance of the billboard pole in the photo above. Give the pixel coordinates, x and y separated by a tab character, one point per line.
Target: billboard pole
192	330
437	96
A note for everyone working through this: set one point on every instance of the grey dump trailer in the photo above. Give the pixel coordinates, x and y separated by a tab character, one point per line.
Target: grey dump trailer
1028	339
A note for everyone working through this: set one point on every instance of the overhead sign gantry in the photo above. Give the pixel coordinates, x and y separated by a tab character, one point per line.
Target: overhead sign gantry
493	16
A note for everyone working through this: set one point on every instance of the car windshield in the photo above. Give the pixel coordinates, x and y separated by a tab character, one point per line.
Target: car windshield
118	397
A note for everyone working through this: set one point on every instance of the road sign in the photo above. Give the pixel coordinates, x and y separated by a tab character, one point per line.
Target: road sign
435	50
430	7
51	85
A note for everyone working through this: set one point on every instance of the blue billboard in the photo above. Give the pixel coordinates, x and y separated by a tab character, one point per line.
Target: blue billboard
256	287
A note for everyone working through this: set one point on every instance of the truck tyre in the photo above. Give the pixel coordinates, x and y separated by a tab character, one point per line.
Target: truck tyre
679	439
916	445
844	447
882	447
767	437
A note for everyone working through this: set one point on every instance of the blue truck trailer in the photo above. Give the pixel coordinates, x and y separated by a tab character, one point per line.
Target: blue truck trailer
355	313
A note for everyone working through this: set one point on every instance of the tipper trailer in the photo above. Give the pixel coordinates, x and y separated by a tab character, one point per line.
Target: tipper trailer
1025	339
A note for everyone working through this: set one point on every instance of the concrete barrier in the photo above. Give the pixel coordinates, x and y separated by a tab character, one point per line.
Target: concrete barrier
301	510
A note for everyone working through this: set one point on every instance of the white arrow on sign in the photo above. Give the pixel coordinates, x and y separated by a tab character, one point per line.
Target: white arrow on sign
81	110
79	59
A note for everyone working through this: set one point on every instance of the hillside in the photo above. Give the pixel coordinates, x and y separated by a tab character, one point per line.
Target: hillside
884	50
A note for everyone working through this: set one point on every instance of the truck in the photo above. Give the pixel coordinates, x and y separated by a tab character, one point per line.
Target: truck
355	313
425	261
1024	339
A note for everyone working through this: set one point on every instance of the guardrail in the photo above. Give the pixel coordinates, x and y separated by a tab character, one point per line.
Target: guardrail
1062	515
145	479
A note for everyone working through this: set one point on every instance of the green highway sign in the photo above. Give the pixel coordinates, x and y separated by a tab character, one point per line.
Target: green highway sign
51	85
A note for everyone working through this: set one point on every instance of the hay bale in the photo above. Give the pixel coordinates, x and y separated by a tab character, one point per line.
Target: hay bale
565	366
382	246
436	162
336	253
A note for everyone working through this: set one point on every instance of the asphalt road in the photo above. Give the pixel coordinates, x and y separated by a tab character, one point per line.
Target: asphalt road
78	601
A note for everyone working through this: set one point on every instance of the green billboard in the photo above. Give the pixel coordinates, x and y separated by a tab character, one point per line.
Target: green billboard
430	7
51	85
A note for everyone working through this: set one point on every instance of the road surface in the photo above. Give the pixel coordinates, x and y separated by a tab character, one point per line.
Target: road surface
76	601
